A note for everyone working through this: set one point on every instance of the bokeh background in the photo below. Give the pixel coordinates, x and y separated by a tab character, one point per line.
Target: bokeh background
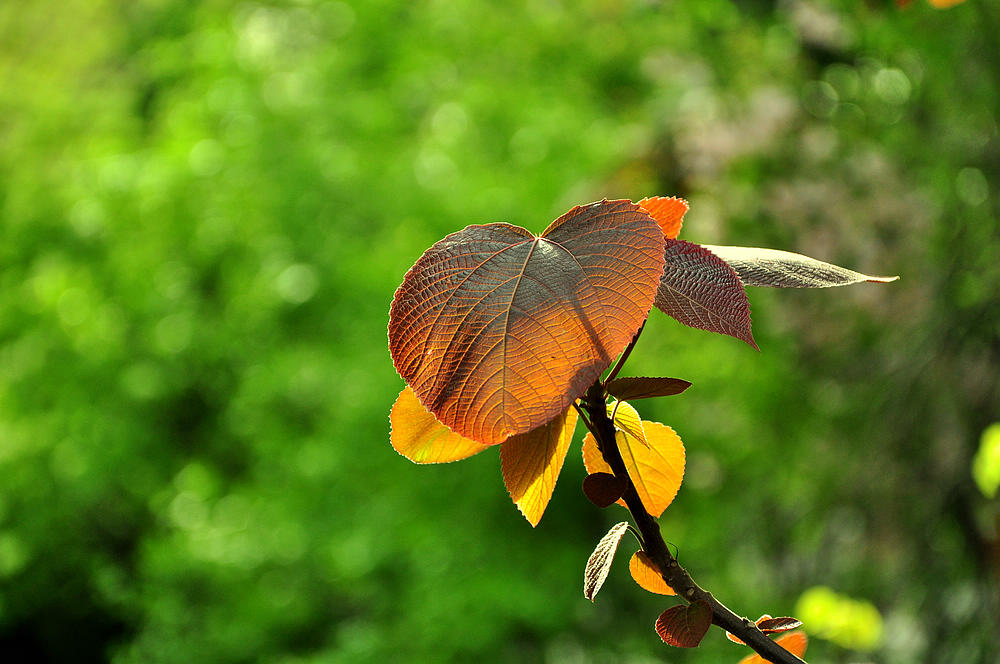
205	208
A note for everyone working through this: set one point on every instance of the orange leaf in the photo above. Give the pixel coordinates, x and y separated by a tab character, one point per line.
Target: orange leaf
498	330
656	471
668	212
531	463
945	4
418	436
794	643
647	574
685	626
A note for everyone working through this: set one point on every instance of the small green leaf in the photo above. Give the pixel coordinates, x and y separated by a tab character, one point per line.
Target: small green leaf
986	462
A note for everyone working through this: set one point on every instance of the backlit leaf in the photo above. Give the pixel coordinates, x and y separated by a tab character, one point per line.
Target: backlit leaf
784	269
417	434
602	489
646	388
668	213
656	471
498	331
685	626
771	625
701	290
531	463
627	419
795	643
647	574
600	560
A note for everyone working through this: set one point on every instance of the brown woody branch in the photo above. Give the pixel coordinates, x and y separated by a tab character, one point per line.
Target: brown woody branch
594	404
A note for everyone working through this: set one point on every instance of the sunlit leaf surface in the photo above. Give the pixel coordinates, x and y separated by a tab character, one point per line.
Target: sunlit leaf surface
668	211
795	643
498	331
531	463
647	574
418	436
656	471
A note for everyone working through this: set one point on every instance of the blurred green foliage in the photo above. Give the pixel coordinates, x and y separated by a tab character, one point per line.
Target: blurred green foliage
205	209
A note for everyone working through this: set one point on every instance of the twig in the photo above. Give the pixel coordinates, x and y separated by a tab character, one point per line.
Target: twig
624	356
674	575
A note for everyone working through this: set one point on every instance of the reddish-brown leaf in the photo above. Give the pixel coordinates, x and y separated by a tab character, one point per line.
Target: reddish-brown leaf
418	436
783	269
701	290
647	574
600	560
498	331
656	469
668	212
602	489
531	463
771	625
795	643
646	388
685	626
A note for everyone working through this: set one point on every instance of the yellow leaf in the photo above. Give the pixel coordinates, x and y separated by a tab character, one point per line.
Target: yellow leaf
795	643
627	419
647	575
417	434
531	463
656	470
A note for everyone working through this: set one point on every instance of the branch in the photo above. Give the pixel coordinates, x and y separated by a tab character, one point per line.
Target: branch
676	576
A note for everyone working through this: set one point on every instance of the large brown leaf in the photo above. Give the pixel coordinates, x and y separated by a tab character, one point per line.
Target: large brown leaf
498	331
701	290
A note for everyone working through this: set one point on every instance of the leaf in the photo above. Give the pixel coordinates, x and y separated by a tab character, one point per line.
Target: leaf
498	331
668	213
783	269
656	471
795	643
417	435
701	290
770	625
626	418
647	574
602	489
531	463
646	388
685	626
600	560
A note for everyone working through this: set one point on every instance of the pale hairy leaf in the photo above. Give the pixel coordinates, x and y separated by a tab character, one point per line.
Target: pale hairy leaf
783	269
600	560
